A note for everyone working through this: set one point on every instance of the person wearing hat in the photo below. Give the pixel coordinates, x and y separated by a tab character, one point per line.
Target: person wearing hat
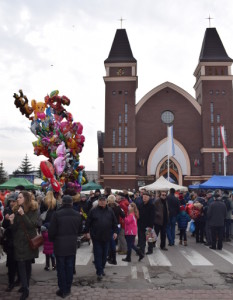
8	246
161	218
216	216
146	220
63	232
208	200
101	224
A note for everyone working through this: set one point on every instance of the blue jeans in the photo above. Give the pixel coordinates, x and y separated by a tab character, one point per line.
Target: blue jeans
100	250
130	239
171	227
65	267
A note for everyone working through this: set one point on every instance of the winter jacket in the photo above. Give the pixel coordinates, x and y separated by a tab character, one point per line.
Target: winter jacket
29	220
182	219
159	212
131	225
101	222
119	213
173	205
146	215
63	230
229	206
124	206
216	213
48	246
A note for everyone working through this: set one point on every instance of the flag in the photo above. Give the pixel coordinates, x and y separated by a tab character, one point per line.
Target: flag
171	146
225	150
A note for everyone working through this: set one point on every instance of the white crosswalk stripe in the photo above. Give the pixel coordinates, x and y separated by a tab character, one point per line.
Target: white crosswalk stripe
134	274
2	258
146	273
195	258
158	259
225	254
83	256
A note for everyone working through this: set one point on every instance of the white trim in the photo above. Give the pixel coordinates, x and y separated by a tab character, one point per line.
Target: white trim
120	64
106	150
120	78
159	152
174	87
216	150
213	77
213	63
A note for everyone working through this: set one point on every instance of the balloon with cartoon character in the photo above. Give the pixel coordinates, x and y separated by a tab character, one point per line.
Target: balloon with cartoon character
59	138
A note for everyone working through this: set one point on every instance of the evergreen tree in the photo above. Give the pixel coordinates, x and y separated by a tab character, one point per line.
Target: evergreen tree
3	174
39	173
26	167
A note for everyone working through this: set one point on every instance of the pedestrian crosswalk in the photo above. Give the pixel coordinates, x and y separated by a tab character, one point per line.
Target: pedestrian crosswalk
195	255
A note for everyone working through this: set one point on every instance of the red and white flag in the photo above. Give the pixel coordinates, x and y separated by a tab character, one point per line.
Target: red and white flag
226	152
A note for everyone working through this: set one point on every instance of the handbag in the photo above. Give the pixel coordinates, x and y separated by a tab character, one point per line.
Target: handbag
36	241
43	215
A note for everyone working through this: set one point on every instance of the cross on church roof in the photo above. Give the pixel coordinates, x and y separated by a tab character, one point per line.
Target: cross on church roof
121	20
209	20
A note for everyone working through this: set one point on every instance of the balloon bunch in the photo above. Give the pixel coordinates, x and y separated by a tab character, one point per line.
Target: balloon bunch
58	138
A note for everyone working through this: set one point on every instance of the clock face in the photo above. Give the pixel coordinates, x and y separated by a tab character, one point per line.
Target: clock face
167	117
120	72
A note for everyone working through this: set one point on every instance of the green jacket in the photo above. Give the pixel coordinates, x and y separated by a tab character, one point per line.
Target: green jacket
21	244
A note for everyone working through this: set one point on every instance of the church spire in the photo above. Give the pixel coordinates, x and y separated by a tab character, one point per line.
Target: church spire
212	48
121	50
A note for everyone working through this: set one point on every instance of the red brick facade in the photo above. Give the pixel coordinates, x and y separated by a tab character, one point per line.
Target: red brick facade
133	147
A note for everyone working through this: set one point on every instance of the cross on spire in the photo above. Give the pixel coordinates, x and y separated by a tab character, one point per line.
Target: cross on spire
209	20
121	20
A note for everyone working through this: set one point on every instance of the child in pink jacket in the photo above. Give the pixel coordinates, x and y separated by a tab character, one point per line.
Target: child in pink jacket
131	232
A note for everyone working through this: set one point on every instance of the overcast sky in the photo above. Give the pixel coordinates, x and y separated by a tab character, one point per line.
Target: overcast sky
56	44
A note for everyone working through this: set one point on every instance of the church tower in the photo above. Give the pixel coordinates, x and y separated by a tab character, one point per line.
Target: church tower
119	145
214	93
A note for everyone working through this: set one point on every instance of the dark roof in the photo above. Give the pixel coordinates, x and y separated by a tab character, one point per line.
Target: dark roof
212	48
100	139
121	50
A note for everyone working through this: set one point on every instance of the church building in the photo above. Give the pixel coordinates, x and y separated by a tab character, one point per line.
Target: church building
132	151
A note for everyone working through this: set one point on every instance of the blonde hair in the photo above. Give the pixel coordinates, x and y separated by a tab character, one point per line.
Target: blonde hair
111	199
135	210
50	200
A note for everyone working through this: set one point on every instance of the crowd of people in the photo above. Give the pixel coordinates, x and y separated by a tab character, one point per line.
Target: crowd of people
111	221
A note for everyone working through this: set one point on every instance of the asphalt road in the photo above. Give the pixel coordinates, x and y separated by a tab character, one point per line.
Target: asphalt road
193	267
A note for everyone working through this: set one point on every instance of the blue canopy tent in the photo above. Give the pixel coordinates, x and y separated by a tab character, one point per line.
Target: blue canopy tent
216	182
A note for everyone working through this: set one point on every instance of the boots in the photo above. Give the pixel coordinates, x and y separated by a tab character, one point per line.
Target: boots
180	242
113	258
25	294
128	257
185	243
140	254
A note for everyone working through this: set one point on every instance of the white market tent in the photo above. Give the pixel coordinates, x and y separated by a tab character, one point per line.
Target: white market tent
162	184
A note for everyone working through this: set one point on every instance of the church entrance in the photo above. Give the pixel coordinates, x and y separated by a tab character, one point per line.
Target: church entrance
174	174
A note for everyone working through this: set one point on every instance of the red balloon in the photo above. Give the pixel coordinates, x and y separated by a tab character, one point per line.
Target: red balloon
47	169
55	185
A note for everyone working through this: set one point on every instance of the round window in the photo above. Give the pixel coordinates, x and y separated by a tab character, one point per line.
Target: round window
167	117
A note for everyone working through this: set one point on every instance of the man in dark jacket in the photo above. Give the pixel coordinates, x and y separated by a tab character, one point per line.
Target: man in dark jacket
216	215
146	220
173	209
161	218
63	232
100	225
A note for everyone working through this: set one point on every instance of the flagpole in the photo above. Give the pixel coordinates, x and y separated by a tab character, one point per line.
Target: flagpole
168	160
224	162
